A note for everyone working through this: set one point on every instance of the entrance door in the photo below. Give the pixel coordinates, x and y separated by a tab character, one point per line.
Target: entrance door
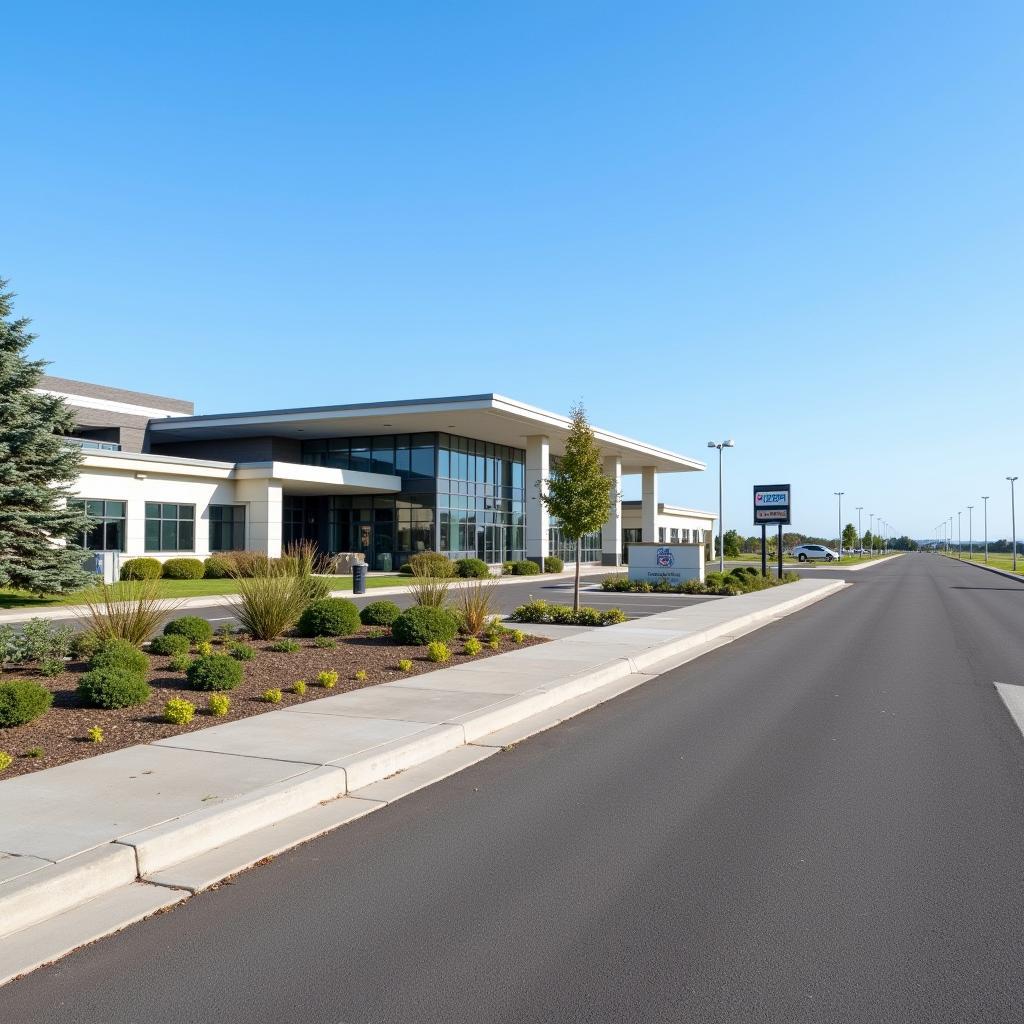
362	540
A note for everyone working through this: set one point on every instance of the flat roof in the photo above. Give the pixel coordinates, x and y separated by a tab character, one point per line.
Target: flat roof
488	417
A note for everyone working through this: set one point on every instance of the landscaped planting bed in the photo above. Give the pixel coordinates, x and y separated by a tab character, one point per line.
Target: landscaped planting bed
364	658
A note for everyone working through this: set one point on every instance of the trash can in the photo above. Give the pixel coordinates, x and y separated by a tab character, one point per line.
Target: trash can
359	578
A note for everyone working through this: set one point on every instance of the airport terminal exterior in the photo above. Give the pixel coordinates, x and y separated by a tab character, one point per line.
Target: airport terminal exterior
459	475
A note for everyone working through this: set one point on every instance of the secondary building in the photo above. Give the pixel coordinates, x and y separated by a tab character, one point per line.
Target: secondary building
460	475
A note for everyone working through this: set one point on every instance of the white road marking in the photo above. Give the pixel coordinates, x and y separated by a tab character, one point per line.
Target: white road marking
1013	698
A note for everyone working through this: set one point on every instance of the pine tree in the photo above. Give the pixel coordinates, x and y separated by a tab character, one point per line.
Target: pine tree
578	491
38	534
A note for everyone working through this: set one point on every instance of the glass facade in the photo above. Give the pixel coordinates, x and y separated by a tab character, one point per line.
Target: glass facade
565	549
227	527
107	530
170	527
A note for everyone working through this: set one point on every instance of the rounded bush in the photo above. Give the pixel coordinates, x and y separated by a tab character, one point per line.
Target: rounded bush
214	672
242	652
121	654
172	644
218	705
472	568
379	613
432	564
331	616
183	569
22	701
553	564
196	629
525	568
113	688
6	760
179	711
423	625
84	645
216	568
141	569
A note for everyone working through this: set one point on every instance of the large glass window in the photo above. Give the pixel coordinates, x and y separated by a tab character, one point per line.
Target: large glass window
170	527
107	530
227	527
565	549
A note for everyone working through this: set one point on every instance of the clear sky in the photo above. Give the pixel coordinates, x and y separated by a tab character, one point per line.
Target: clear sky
799	225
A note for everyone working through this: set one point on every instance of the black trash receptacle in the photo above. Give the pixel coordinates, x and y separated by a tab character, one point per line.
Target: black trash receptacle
359	578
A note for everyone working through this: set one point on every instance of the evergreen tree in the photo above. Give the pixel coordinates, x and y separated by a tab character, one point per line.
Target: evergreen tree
578	491
38	533
849	537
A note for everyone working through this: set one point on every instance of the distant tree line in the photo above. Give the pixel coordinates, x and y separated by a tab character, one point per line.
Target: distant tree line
735	544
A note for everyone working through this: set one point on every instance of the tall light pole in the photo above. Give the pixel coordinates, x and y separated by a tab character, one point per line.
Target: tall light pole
1013	522
721	549
970	530
839	495
871	530
959	538
860	536
984	498
951	532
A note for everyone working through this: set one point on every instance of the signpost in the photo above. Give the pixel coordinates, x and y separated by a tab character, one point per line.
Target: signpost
771	505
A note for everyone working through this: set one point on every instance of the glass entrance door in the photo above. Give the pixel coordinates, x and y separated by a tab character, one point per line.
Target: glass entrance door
362	540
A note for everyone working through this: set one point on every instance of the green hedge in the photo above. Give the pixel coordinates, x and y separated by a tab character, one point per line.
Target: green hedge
525	567
472	568
562	615
120	654
743	580
196	629
330	616
141	569
22	701
379	613
216	568
183	569
423	625
170	644
553	564
113	688
214	672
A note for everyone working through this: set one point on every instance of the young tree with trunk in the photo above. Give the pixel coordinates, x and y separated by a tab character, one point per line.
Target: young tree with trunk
578	493
39	535
849	537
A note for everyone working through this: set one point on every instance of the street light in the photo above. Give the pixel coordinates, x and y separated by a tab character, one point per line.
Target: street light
984	498
860	536
839	495
721	549
871	530
951	531
959	538
1013	522
970	530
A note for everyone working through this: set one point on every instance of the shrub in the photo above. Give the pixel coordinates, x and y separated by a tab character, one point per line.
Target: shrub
35	752
422	625
331	616
587	617
120	654
494	643
84	645
180	662
438	651
218	705
299	686
561	614
129	611
427	592
179	711
518	636
405	665
494	630
328	680
170	644
475	605
693	587
112	687
141	569
39	640
5	760
362	675
214	672
241	652
431	564
325	643
204	647
285	646
183	569
22	701
508	568
51	667
472	568
472	646
525	567
95	734
273	696
216	567
616	584
271	603
379	613
197	630
553	564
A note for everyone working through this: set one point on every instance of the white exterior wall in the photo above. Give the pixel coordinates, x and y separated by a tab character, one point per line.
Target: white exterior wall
633	519
538	458
611	532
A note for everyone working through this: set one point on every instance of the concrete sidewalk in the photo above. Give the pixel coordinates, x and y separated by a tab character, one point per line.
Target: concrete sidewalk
89	847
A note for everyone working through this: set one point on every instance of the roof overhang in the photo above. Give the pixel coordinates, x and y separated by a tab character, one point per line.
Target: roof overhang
490	417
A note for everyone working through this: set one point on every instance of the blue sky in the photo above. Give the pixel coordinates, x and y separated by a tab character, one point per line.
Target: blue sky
797	225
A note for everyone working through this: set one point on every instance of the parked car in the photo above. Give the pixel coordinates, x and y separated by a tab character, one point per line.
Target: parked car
814	552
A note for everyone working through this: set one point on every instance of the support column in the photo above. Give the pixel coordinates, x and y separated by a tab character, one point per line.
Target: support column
538	458
649	504
611	532
264	515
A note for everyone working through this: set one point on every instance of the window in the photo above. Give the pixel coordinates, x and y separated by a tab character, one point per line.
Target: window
227	527
107	530
675	534
170	527
661	534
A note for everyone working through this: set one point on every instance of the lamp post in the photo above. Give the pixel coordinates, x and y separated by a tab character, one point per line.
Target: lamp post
860	536
970	531
721	549
951	532
1013	522
871	530
959	538
839	495
984	498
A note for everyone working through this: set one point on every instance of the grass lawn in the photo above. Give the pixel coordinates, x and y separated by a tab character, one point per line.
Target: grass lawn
997	561
181	588
786	560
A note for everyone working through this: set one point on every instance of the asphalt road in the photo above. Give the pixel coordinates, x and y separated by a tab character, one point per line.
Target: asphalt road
821	822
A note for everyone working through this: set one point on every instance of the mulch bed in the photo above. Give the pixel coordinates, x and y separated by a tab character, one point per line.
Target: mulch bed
61	731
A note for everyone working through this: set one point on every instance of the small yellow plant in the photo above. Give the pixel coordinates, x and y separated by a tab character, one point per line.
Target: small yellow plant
472	646
95	734
362	675
218	705
5	760
35	752
204	648
299	686
494	643
405	665
328	680
179	711
438	651
518	636
273	696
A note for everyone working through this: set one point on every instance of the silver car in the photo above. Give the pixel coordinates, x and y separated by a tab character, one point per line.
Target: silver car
814	552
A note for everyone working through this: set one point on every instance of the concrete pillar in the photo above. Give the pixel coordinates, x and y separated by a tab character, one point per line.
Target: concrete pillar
611	532
649	504
264	515
538	459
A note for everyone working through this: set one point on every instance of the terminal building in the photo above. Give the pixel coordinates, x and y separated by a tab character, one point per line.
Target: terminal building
459	475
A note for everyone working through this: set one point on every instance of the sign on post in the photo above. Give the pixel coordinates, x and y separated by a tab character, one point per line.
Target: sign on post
666	563
771	505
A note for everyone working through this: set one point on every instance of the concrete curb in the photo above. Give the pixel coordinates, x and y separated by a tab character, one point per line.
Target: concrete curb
202	847
869	565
